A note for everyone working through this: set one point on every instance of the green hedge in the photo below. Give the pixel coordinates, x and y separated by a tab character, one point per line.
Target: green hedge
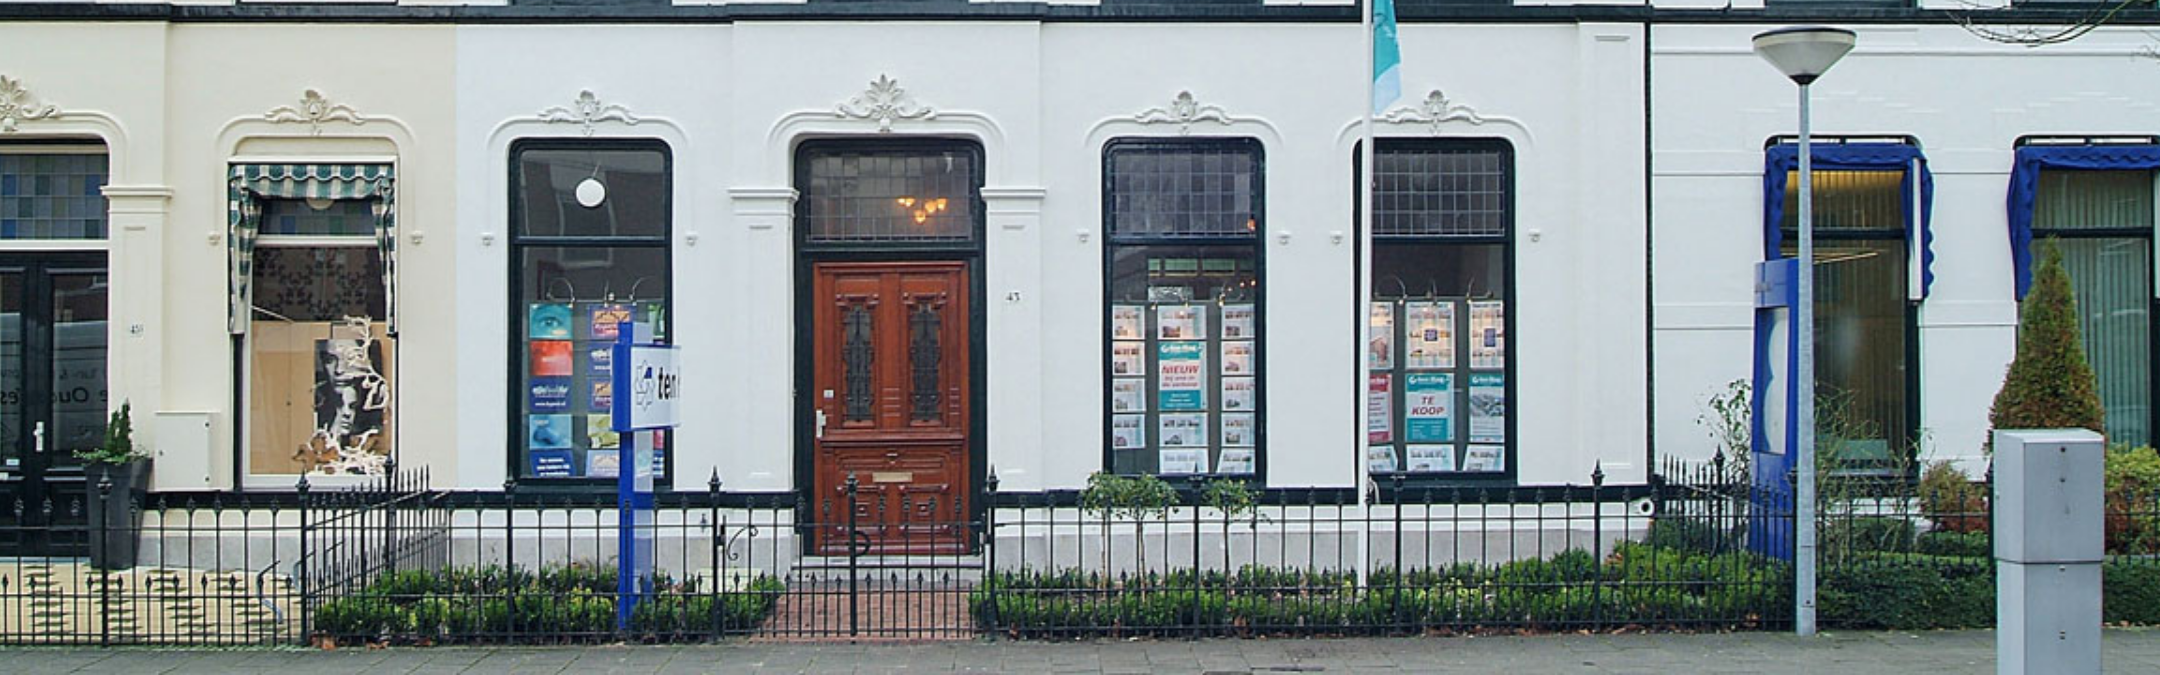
553	603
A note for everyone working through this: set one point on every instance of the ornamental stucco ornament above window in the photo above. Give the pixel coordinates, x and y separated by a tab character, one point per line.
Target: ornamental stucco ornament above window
314	110
17	104
1183	111
884	102
1435	110
588	110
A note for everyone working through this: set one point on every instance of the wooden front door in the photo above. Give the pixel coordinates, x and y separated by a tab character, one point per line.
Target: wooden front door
890	403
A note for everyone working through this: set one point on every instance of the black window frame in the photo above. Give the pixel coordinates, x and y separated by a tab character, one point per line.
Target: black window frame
516	339
1112	240
1423	481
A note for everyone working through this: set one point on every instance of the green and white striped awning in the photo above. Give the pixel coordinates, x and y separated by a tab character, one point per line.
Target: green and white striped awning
250	183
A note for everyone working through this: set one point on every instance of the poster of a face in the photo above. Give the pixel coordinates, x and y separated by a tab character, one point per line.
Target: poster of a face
547	432
1125	359
1237	393
1237	357
607	320
1383	336
1237	322
1183	430
548	321
1235	461
1128	432
1431	457
1180	322
1125	322
1488	334
1487	458
551	358
1182	461
351	400
1380	459
1128	395
1430	335
1488	408
1237	429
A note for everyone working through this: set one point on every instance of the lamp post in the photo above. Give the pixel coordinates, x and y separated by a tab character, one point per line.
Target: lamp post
1803	53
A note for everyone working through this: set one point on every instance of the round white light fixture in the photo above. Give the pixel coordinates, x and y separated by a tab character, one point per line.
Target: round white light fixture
319	203
1803	53
590	192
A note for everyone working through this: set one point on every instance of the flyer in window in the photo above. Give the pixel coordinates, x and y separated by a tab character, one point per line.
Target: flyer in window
1484	458
1181	322
1188	430
548	432
1488	334
603	463
1430	335
653	314
1380	459
1383	336
1488	408
1183	461
1180	375
550	464
1431	457
600	431
1128	432
1429	404
1237	393
1235	461
551	358
548	321
1237	429
1128	395
1125	358
1379	418
1237	322
603	395
607	320
548	394
600	361
1125	322
1237	357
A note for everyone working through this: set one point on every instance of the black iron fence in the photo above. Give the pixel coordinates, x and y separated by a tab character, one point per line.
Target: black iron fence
392	560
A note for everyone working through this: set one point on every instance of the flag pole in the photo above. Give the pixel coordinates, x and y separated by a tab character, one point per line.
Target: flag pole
1363	306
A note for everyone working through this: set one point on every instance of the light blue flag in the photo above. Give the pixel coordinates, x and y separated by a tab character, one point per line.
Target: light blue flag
1386	57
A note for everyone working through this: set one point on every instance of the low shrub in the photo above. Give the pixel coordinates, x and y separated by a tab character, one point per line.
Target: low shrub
1950	500
552	603
1908	591
2133	500
1848	536
1689	534
1948	543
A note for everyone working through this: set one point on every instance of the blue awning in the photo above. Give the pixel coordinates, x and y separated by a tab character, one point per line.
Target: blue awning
2025	183
1781	159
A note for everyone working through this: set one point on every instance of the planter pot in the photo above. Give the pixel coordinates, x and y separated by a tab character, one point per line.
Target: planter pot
115	521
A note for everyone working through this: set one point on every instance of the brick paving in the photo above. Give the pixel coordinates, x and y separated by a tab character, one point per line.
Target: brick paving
1931	653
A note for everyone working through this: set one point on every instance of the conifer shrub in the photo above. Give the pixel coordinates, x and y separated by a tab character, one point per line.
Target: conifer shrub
2049	385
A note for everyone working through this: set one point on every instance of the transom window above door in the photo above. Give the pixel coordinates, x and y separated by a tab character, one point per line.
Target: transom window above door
862	192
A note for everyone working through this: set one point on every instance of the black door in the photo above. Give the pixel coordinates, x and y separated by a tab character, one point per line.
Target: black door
52	396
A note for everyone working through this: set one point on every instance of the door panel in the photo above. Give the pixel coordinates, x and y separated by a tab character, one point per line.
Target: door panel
52	396
890	394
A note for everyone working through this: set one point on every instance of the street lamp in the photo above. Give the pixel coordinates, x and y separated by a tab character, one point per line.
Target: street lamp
1803	53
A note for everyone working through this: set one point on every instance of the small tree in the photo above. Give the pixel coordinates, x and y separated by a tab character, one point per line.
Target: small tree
2049	386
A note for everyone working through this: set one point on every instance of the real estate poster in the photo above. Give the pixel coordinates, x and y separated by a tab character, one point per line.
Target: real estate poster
1125	322
1429	407
1176	460
548	432
1181	375
1181	322
1128	395
550	464
1237	393
600	361
551	358
1383	336
1184	430
548	394
1379	408
1484	458
1237	322
1125	359
1235	461
548	321
1430	335
1380	459
1237	429
603	463
1431	457
1128	432
607	320
603	395
1488	408
600	431
653	314
1488	334
1237	357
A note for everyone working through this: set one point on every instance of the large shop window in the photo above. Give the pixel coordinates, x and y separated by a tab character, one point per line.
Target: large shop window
1185	326
2096	201
1442	377
1870	205
589	252
314	261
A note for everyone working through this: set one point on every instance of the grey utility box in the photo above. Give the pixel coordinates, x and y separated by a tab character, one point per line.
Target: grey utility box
2048	550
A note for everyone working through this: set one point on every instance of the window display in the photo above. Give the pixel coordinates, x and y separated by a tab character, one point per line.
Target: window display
319	349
